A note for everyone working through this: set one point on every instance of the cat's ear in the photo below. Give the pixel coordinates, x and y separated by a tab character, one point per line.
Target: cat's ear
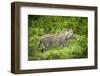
68	29
71	29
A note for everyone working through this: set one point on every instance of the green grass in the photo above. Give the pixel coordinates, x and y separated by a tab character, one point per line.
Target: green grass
75	48
72	49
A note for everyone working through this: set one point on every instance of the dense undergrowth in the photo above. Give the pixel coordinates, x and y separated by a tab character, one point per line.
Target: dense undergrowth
76	47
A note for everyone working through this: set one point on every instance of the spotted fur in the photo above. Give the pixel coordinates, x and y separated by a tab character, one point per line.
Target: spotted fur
50	40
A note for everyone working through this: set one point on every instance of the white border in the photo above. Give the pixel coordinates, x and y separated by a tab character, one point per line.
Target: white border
25	64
